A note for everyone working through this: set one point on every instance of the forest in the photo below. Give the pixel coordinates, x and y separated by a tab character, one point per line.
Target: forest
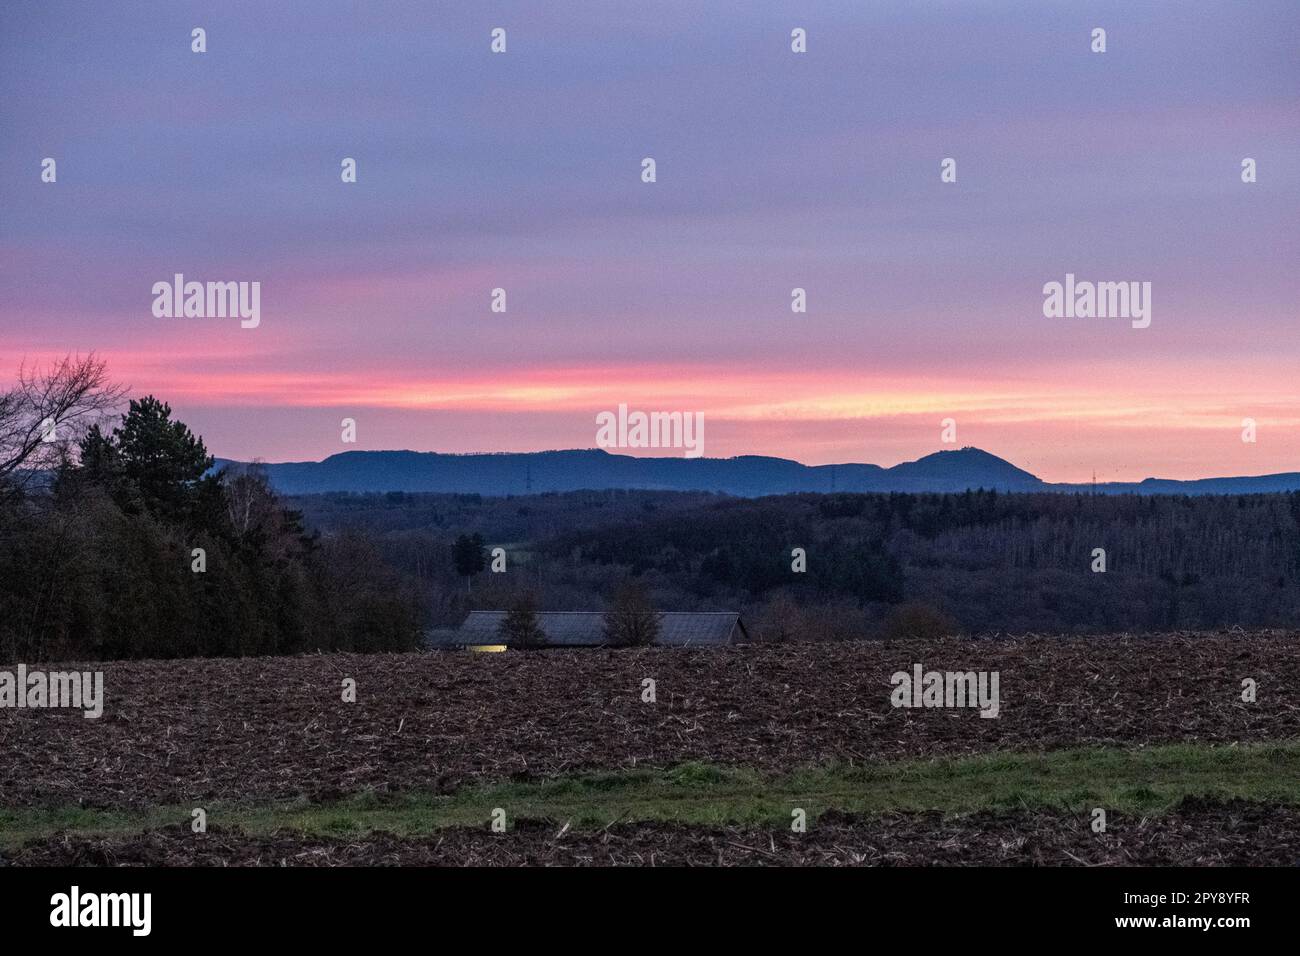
121	541
876	565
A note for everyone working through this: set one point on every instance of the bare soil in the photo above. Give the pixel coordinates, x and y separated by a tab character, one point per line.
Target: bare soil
261	728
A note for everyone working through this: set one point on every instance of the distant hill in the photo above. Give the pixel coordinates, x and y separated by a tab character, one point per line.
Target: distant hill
958	470
746	475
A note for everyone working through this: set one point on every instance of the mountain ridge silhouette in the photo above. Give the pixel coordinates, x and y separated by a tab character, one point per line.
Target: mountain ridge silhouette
518	473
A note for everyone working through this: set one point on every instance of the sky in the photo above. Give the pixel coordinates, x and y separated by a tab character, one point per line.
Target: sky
775	170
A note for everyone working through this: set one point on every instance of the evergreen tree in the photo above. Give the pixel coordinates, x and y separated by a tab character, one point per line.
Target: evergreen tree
161	458
152	464
470	556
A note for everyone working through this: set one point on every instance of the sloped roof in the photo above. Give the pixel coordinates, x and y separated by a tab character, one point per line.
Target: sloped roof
586	628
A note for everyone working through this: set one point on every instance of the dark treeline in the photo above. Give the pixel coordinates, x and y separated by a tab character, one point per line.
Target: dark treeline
504	518
987	561
132	547
876	564
418	533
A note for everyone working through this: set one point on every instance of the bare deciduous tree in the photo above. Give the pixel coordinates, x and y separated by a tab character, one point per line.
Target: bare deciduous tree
631	620
44	413
520	627
257	514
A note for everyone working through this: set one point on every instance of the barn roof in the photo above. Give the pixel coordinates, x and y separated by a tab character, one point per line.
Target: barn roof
586	629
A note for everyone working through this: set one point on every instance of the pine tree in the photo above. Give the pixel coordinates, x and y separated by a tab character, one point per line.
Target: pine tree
470	556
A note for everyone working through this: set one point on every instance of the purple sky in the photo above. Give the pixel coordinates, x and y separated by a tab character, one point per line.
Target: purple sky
775	170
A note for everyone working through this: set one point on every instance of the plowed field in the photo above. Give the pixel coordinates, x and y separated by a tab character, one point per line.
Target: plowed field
197	730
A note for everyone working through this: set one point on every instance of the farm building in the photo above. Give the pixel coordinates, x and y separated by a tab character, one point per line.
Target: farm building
587	629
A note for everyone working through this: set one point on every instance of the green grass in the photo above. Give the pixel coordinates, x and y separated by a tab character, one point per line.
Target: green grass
1148	780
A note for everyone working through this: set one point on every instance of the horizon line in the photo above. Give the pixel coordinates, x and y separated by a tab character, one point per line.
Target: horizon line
623	453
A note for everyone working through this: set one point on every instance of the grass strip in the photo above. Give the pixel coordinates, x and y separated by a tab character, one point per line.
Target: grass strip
1148	780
